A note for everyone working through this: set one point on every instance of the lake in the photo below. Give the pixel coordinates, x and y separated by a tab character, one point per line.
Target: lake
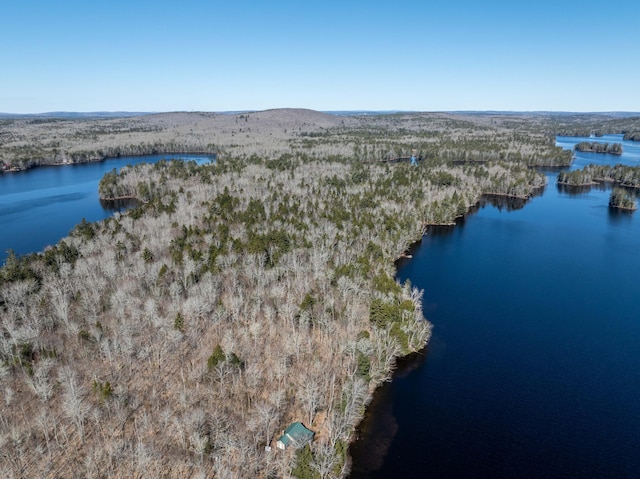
40	206
533	369
630	156
534	365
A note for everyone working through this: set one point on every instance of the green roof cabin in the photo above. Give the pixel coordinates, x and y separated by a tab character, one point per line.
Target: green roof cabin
295	435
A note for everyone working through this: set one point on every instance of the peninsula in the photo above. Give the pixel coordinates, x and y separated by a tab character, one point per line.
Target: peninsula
180	338
627	176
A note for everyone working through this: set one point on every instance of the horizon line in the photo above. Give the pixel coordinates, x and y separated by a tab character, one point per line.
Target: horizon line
113	113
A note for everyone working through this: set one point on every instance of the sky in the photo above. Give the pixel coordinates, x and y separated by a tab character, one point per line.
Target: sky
193	55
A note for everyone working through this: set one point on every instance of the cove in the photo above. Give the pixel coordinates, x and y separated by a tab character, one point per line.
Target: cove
533	369
40	206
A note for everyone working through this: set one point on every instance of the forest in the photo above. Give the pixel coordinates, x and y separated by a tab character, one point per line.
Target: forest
181	337
626	176
515	137
26	143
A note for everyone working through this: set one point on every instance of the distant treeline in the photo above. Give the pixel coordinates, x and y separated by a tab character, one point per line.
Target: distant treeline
527	140
35	156
596	147
592	124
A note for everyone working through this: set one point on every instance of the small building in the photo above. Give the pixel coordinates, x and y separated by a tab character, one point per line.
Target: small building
295	435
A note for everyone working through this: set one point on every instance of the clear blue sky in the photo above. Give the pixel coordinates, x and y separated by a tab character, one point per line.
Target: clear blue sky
332	55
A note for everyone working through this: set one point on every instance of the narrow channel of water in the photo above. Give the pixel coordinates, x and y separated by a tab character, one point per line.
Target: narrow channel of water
534	365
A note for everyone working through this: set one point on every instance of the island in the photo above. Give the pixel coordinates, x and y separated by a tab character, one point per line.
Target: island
622	199
597	147
632	135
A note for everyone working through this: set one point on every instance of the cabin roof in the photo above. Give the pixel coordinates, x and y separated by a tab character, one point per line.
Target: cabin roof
296	434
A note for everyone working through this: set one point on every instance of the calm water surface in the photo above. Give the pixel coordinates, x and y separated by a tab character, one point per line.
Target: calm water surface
534	365
40	206
630	156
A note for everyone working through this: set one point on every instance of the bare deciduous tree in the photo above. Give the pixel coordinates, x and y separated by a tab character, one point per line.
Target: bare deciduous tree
74	405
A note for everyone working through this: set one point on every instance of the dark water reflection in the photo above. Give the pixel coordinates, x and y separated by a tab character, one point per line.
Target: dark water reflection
502	202
118	205
533	369
380	426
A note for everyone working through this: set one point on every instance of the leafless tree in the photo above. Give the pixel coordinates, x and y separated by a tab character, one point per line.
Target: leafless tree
39	382
74	405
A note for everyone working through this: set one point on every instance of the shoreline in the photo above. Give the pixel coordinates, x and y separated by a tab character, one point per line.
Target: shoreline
124	197
507	195
624	208
408	361
599	181
16	169
581	185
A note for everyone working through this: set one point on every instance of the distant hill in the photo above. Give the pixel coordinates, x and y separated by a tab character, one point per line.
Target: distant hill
367	112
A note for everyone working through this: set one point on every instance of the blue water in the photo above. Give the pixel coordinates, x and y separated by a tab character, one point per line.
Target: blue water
533	370
40	206
630	156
